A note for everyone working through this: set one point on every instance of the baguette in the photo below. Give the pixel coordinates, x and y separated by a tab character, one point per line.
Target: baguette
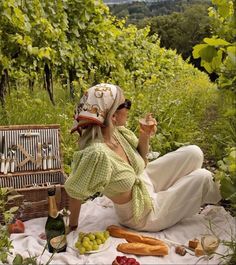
132	237
143	249
117	231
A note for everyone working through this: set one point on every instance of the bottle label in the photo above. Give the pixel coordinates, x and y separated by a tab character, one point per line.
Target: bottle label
58	242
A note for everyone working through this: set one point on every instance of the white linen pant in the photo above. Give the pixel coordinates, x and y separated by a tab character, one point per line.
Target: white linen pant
178	187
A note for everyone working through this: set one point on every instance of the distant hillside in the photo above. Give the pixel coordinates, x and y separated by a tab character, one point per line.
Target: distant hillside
113	2
135	11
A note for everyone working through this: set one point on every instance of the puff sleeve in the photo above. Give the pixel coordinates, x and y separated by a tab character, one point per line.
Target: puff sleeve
91	173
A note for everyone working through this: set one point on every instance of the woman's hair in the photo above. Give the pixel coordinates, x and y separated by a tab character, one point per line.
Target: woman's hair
93	133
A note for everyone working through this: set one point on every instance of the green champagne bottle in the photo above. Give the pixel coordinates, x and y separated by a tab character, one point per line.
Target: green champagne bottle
55	226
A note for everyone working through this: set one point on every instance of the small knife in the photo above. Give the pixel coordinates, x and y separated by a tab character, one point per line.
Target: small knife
44	158
7	164
3	155
177	244
49	158
13	159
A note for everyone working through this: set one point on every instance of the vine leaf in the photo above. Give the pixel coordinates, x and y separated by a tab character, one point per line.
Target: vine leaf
196	49
18	260
207	53
216	42
231	51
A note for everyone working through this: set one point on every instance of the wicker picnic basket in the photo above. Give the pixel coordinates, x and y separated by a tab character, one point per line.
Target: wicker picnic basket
31	162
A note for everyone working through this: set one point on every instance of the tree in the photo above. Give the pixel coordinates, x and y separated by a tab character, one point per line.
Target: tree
181	31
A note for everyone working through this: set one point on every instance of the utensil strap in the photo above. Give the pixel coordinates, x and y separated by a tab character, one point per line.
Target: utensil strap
28	156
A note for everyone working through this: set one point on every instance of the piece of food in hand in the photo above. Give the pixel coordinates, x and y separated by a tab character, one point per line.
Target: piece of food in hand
143	249
180	250
91	241
193	243
130	237
123	260
16	227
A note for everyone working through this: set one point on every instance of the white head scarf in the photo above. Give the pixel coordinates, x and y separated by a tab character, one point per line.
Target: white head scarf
94	106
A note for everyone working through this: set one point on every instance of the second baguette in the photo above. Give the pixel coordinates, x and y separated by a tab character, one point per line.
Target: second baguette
143	249
146	240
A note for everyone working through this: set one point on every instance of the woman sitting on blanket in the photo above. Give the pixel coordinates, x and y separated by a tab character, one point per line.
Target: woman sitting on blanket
112	161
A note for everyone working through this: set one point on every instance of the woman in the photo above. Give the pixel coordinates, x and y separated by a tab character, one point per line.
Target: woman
112	161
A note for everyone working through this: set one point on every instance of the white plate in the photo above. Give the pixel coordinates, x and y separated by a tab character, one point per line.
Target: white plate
102	247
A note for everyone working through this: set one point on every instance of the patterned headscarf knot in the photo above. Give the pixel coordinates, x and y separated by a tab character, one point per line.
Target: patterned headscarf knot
94	105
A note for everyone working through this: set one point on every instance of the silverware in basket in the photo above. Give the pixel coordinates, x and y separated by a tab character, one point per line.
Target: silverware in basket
2	169
44	158
49	158
7	162
39	155
13	158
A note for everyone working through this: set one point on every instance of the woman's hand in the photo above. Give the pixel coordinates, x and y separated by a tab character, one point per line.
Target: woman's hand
148	125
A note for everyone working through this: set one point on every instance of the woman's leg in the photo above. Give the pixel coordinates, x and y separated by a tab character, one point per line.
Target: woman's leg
181	200
166	170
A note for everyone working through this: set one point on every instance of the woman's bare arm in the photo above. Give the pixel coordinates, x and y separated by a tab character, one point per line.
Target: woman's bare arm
143	145
74	207
146	131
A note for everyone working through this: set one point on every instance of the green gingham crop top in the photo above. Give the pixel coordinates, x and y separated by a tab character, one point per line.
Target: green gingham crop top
99	169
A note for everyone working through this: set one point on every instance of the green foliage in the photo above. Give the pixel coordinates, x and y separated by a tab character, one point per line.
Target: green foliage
230	257
223	21
219	125
7	214
46	35
19	260
218	53
226	174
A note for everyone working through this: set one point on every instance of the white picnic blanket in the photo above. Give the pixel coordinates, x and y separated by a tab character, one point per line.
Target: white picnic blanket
98	214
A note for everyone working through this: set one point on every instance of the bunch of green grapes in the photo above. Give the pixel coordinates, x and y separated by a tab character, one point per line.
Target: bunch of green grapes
87	242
